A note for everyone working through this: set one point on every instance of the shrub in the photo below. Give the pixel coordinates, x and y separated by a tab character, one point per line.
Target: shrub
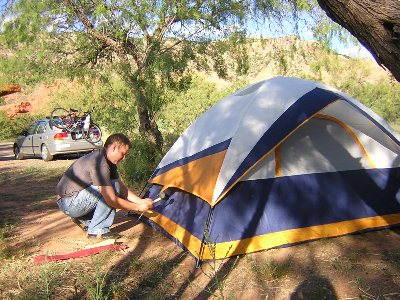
382	97
139	163
10	129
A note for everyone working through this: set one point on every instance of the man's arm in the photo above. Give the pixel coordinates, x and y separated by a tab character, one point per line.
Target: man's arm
135	204
126	193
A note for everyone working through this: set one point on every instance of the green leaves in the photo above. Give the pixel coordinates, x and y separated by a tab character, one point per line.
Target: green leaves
152	45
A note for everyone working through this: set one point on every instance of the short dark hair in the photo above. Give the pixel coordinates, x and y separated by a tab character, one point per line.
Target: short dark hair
118	138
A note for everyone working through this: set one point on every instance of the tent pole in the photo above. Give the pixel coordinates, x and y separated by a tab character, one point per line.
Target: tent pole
141	192
203	242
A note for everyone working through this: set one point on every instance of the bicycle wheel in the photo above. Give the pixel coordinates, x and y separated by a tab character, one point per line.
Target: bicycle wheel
94	134
61	118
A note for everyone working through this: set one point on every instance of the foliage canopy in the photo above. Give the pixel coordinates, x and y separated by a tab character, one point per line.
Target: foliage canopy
153	46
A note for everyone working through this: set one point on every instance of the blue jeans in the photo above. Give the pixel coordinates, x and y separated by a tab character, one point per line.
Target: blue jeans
90	208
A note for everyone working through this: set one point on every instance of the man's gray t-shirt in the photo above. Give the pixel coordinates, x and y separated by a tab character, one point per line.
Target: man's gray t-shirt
91	169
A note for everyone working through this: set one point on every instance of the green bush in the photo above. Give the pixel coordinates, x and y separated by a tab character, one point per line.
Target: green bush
176	116
382	97
140	162
10	129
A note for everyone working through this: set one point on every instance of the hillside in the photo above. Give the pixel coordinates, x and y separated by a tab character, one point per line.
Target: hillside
290	56
268	58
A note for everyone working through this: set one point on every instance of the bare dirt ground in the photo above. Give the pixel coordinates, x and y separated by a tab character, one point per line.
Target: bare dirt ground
364	266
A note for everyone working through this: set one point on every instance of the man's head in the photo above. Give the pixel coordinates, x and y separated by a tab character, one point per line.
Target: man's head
117	146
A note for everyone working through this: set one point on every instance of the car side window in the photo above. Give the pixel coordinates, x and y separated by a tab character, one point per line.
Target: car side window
41	128
31	129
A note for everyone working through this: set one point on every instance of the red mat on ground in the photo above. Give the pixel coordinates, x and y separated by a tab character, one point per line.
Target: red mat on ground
80	253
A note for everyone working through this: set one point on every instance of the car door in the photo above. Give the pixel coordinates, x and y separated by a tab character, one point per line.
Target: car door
38	137
26	146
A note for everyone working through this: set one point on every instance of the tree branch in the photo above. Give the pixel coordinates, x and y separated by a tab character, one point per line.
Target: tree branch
119	48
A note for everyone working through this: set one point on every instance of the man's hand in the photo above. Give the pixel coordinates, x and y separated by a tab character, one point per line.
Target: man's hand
133	203
145	204
149	201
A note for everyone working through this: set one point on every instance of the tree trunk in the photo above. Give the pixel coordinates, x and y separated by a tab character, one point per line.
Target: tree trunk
376	25
148	127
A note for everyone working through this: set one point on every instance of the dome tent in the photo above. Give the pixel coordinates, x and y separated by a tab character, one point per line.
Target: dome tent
279	162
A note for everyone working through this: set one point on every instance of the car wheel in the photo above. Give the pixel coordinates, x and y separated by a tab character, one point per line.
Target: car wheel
46	156
17	153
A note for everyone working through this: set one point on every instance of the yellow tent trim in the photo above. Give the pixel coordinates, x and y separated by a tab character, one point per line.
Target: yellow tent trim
197	177
270	240
292	236
192	243
351	133
278	172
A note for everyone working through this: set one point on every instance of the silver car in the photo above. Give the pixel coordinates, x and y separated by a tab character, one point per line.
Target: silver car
43	140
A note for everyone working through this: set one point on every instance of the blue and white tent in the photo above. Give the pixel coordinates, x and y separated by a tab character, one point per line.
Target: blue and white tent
279	162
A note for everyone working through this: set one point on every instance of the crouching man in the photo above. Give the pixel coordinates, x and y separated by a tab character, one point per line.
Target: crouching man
91	190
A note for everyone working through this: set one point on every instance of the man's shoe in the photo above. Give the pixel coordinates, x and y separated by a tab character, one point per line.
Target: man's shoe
105	236
79	223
